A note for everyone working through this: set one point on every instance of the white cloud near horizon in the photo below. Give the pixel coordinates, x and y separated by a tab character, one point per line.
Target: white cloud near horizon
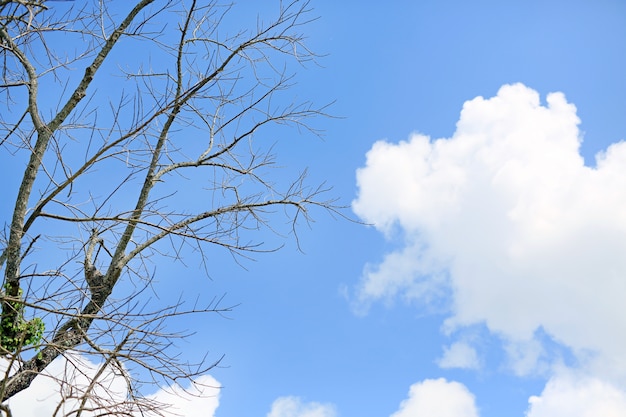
199	400
505	224
438	397
66	380
568	395
292	406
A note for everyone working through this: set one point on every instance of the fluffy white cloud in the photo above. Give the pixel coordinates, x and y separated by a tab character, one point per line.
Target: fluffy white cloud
459	355
567	395
65	382
295	407
506	218
438	397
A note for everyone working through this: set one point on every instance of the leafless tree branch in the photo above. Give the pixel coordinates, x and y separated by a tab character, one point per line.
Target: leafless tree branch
115	143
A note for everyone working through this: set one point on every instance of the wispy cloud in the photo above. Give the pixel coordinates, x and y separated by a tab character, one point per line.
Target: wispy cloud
459	355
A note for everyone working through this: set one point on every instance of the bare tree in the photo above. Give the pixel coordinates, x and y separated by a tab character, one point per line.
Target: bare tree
120	113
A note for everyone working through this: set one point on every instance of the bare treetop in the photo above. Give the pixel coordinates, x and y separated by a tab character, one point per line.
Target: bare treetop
145	134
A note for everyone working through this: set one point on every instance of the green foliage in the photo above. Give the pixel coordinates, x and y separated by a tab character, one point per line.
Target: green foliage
15	331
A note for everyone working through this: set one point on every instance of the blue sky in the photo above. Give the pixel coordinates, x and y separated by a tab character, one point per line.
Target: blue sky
491	280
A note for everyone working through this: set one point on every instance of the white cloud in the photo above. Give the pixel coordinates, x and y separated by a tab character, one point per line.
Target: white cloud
567	395
438	397
295	407
199	400
526	357
459	355
410	273
508	220
64	383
